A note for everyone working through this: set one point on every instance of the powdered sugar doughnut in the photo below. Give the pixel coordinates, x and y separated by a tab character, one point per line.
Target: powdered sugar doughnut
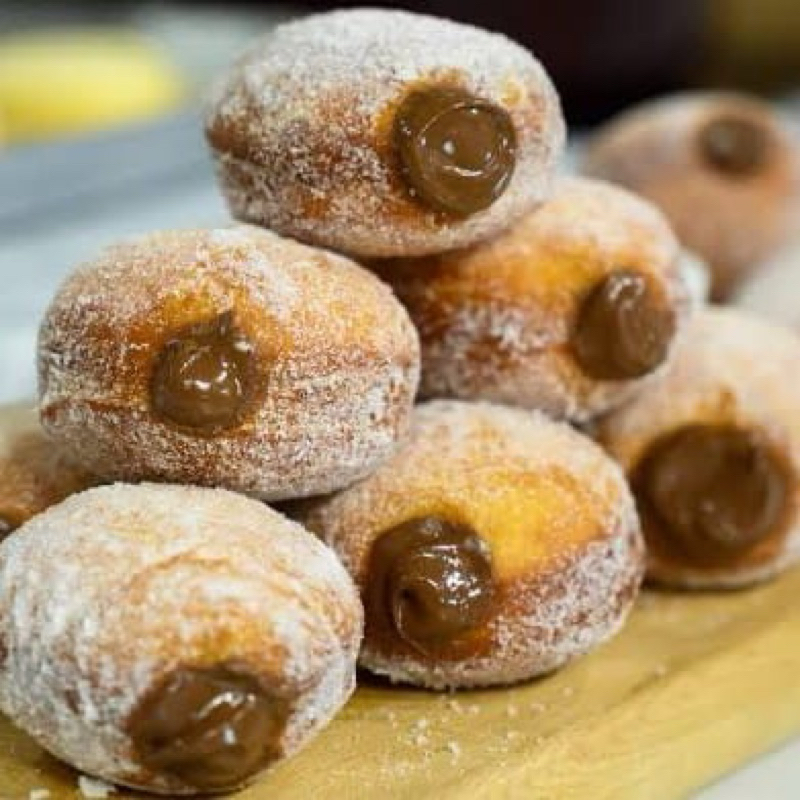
495	546
712	449
34	473
231	358
384	133
567	312
185	639
722	167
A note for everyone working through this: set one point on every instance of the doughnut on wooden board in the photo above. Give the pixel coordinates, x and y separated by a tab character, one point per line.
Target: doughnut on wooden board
695	686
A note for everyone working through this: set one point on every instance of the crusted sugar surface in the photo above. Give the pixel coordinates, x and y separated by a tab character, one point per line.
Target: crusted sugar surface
495	320
124	583
731	368
337	362
568	578
312	103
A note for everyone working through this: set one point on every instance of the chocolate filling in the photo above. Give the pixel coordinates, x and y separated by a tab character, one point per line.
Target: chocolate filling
735	146
713	492
201	378
212	729
624	327
457	152
430	582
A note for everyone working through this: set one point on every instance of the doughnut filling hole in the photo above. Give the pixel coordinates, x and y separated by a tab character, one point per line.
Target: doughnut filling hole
624	327
212	728
202	377
457	152
711	493
430	583
734	146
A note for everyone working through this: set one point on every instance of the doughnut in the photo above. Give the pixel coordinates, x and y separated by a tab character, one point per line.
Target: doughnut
494	547
384	133
721	166
712	450
174	639
34	473
772	292
566	312
229	358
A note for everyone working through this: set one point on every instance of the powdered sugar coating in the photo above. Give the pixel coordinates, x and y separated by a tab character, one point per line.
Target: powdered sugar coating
555	512
301	128
337	362
495	320
730	369
105	595
653	150
34	473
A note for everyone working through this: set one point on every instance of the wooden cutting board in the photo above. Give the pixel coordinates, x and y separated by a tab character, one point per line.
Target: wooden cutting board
695	686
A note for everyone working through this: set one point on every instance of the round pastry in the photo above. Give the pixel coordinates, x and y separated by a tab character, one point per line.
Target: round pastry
173	639
34	473
712	449
566	312
384	133
721	166
495	546
231	358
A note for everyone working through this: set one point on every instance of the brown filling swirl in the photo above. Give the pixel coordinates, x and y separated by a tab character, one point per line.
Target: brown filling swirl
430	583
457	152
734	146
711	493
211	728
201	380
624	327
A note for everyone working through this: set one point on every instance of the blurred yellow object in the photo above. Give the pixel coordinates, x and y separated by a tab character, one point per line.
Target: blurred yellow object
75	79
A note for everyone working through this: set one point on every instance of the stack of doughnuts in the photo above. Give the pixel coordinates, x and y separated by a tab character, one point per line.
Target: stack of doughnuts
401	235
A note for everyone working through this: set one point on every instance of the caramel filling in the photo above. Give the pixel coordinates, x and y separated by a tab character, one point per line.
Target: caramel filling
714	492
213	729
430	582
457	152
624	328
201	377
735	146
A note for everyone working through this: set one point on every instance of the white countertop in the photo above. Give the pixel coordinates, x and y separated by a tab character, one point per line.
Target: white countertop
60	205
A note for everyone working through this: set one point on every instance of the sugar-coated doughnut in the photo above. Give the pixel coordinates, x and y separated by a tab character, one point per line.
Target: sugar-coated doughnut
227	357
566	312
712	449
173	639
34	472
722	166
495	546
385	133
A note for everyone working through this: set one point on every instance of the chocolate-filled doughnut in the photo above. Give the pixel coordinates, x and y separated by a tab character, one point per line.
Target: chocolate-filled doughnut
712	449
567	312
173	639
230	358
35	473
721	166
493	547
384	133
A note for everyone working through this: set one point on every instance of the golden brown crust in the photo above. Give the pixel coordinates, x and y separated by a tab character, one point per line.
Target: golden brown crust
557	518
654	150
35	473
495	320
730	370
336	362
301	129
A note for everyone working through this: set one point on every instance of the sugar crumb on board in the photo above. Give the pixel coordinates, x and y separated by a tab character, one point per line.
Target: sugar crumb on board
39	794
94	789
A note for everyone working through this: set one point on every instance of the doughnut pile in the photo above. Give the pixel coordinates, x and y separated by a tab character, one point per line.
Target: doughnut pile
584	421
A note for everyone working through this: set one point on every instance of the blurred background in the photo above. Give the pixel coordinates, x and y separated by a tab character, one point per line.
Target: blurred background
99	107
